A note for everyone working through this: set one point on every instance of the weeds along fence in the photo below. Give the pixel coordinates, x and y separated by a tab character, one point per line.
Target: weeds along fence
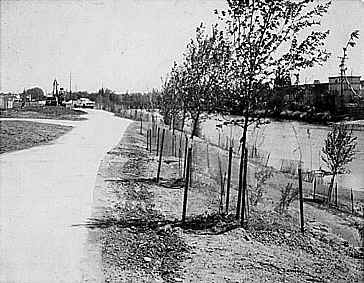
214	168
208	176
261	157
207	172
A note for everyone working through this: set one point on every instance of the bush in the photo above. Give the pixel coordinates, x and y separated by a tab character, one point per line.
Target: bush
257	192
288	195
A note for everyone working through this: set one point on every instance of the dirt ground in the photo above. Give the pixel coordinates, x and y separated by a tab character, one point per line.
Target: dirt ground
43	112
141	238
17	135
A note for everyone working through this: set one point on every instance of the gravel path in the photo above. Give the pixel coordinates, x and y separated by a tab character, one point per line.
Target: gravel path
43	192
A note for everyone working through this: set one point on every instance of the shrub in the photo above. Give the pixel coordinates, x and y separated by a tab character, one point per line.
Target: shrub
288	195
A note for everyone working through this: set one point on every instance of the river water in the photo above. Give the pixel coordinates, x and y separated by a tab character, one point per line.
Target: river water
278	138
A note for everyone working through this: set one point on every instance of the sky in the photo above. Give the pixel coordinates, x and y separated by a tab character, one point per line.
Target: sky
128	45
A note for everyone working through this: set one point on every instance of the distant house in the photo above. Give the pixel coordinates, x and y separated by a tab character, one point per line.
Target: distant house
7	101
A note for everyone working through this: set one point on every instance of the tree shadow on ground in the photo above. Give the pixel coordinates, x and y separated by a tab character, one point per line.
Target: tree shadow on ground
212	224
172	183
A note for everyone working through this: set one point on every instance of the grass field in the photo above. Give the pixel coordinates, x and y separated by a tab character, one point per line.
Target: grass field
44	112
17	135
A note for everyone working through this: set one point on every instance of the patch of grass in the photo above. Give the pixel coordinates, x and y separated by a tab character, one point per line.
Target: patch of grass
17	135
43	112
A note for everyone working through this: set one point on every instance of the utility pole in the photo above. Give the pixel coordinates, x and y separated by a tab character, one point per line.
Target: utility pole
70	85
55	90
342	74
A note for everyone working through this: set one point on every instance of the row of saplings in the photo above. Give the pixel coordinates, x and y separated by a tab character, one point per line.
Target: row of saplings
243	60
338	152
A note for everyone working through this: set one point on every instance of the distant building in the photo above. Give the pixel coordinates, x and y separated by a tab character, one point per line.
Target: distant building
345	91
7	101
334	96
317	94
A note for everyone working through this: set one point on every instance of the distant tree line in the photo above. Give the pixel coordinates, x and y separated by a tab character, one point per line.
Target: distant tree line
111	101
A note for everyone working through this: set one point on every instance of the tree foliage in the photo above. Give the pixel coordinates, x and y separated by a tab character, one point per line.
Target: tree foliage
194	87
254	45
35	94
266	37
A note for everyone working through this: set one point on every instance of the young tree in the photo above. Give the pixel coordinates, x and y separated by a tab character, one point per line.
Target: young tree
203	62
170	102
266	36
178	81
338	152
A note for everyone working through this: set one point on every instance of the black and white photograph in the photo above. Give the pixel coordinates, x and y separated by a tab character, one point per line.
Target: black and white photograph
181	141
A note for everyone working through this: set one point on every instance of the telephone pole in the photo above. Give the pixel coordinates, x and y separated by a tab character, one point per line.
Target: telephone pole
70	84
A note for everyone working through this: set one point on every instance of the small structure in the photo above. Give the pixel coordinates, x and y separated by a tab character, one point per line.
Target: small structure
7	101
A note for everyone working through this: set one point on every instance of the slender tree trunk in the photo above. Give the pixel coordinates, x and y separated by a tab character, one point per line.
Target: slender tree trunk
195	125
173	124
241	181
244	192
329	193
183	119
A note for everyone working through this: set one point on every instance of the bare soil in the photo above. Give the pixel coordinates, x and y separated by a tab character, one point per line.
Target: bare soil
44	112
17	135
142	239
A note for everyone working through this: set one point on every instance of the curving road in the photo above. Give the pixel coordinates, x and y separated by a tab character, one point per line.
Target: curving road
44	190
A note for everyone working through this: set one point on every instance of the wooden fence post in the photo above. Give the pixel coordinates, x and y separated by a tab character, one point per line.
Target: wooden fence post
150	140
141	123
180	155
172	144
147	140
228	180
185	158
160	156
301	198
314	188
158	131
352	200
336	194
191	164
175	145
266	163
184	208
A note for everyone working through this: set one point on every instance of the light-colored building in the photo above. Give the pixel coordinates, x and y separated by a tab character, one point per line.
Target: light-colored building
6	101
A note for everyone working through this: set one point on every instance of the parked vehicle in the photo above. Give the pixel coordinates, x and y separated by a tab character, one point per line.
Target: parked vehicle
51	101
85	103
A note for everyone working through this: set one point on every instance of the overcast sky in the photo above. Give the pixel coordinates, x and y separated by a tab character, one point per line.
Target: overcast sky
127	45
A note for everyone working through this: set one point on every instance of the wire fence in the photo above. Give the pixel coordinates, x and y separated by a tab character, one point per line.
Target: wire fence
209	175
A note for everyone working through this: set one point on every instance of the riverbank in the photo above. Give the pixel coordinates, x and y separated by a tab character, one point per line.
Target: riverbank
141	239
319	118
17	135
279	141
44	112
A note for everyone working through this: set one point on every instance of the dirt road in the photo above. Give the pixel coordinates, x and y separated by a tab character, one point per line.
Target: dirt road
43	192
